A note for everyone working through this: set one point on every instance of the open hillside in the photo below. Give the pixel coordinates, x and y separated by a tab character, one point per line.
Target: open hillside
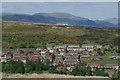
28	35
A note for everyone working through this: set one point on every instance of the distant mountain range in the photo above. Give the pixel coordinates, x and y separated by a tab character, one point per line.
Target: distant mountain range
63	18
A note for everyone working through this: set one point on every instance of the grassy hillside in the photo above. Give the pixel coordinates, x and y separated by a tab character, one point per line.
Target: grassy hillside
23	34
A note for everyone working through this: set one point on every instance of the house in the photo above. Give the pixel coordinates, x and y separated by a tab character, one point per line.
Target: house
61	49
70	61
3	59
43	53
98	46
48	57
87	46
58	59
72	52
36	53
75	49
90	49
82	49
70	68
85	54
21	57
56	53
5	51
24	50
62	53
94	53
67	55
73	46
112	57
33	58
114	66
106	46
90	58
56	63
94	65
51	50
60	46
70	49
39	49
49	47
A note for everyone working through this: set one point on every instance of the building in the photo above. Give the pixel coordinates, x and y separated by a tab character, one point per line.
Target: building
98	46
87	46
94	65
94	53
114	66
60	46
73	46
39	49
90	58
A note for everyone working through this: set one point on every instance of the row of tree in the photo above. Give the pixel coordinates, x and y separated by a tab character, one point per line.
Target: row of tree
38	67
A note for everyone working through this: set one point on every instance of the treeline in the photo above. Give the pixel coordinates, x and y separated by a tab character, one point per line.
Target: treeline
39	67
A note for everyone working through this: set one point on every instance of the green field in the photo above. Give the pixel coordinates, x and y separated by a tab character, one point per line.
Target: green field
106	56
105	62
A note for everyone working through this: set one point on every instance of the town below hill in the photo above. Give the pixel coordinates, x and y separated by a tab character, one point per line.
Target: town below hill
59	49
63	59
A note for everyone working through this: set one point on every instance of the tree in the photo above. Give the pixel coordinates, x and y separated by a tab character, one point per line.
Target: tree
79	58
11	53
63	58
21	52
89	72
29	52
99	52
66	50
53	57
14	67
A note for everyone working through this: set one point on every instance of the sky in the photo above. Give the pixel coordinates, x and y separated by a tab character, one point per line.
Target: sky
60	0
91	10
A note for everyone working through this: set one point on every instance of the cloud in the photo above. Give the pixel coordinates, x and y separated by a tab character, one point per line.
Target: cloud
60	0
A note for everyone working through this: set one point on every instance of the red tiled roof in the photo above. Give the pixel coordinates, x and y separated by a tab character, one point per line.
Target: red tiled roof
68	66
67	58
83	67
30	56
50	58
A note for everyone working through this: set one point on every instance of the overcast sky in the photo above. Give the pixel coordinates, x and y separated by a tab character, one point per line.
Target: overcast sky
60	0
91	10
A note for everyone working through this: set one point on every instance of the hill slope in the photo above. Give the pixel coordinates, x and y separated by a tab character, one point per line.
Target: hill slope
55	18
24	34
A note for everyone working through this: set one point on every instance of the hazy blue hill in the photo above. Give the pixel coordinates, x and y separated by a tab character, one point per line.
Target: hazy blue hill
105	23
61	15
54	18
112	20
